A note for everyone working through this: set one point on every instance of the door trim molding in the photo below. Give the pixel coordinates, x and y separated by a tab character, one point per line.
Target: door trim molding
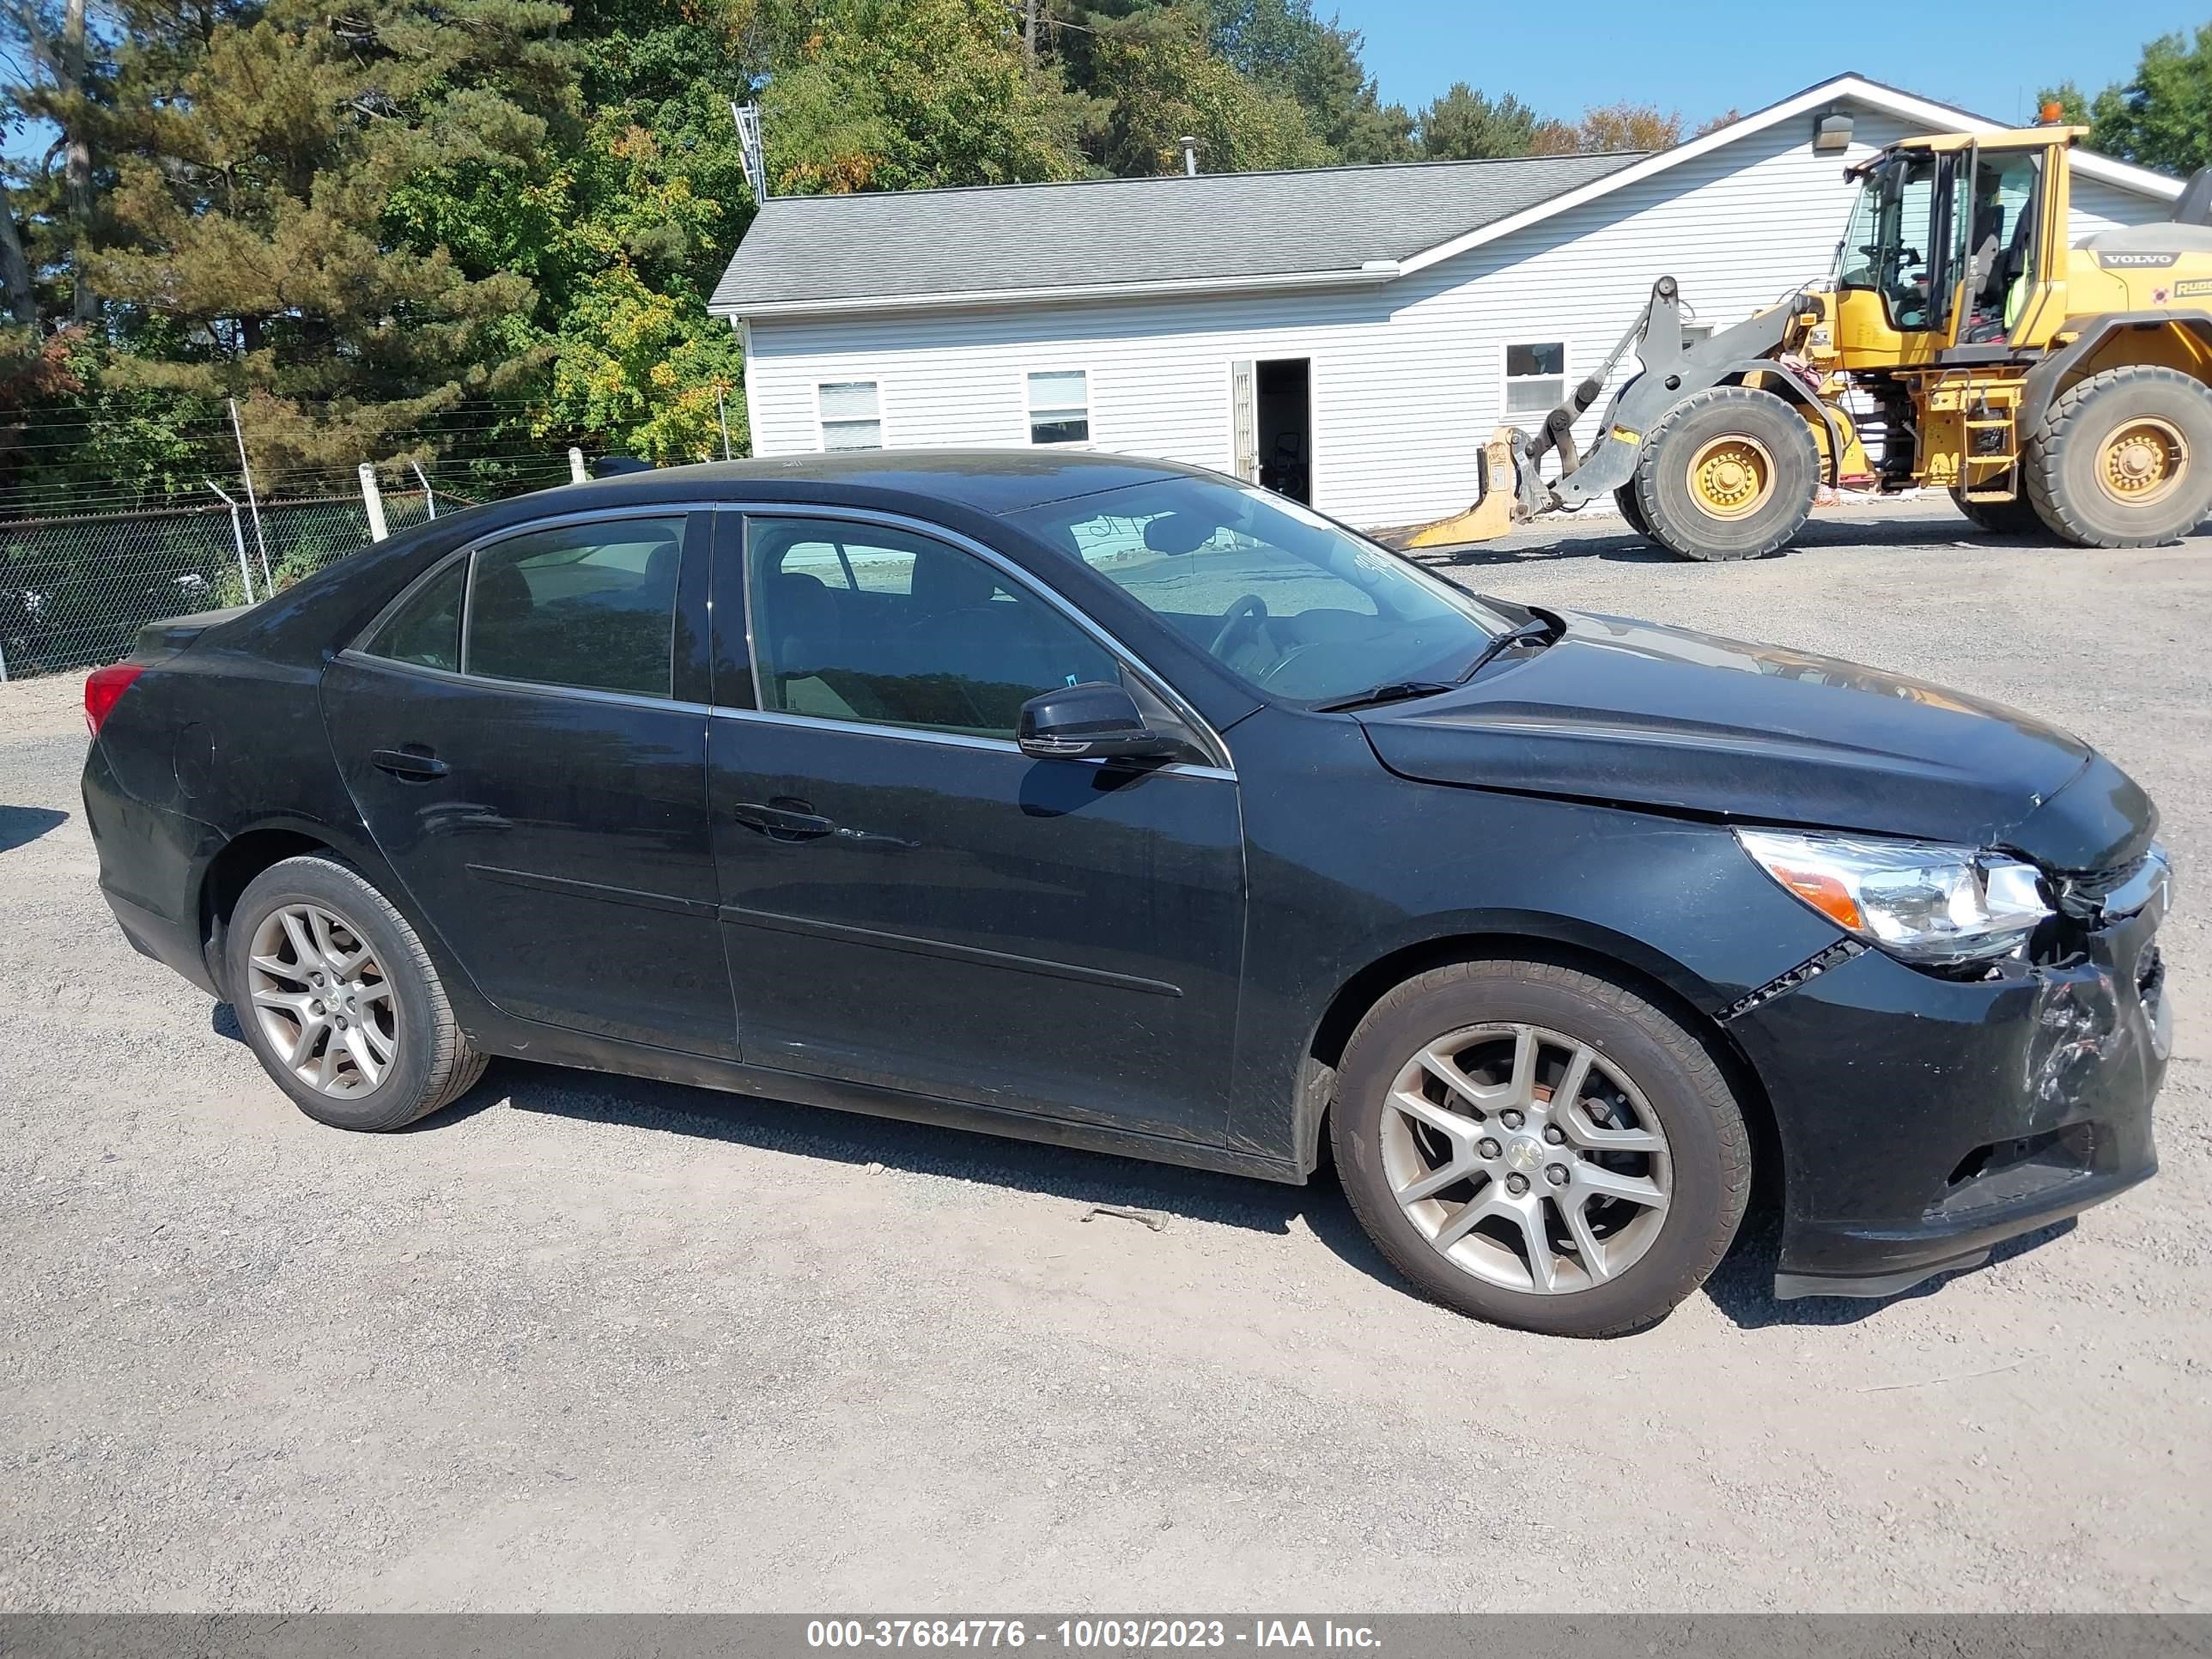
847	933
570	887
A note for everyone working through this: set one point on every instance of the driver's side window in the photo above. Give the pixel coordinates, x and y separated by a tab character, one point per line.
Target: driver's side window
868	624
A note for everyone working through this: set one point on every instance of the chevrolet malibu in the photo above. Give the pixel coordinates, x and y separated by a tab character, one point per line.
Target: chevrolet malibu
1120	804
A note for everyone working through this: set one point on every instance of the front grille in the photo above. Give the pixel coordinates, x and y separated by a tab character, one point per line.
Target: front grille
2094	895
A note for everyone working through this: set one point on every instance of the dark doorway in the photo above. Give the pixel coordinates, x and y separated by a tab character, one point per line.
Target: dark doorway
1285	388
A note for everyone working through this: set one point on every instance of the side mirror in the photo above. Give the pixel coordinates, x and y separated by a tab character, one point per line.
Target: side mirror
1096	722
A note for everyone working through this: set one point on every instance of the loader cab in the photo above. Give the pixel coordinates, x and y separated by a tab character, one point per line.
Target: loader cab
1954	250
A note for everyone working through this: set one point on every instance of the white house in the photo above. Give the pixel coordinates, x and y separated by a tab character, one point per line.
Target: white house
1350	334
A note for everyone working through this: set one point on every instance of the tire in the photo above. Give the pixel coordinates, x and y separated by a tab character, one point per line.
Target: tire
1631	510
1655	1075
2069	455
1787	475
423	1061
2016	517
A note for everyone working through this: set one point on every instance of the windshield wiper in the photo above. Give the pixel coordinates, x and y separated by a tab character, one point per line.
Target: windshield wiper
1389	691
1539	628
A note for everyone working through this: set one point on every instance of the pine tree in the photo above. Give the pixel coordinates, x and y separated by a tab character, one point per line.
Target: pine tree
257	217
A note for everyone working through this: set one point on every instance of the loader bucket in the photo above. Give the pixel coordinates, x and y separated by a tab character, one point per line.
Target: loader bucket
1491	516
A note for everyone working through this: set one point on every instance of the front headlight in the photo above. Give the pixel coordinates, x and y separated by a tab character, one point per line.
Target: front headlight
1918	900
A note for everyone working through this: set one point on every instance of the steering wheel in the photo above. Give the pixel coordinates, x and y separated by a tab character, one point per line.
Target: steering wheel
1243	615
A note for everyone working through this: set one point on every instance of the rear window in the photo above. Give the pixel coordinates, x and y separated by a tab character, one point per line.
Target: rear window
426	630
590	605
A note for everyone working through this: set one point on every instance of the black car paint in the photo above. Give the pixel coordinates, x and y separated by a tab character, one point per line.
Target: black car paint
947	954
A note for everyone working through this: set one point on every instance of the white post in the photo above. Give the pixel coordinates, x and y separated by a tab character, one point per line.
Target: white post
373	499
237	540
577	474
429	496
251	506
722	418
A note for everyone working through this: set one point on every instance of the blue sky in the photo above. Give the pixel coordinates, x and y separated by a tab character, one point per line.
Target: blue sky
1702	56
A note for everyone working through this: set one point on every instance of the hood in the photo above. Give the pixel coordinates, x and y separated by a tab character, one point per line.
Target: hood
1644	716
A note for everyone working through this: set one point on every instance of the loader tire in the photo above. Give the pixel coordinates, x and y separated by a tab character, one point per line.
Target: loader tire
2016	517
2124	458
1624	499
1730	473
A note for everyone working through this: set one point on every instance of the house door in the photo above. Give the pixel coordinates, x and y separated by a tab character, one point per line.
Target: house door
1244	421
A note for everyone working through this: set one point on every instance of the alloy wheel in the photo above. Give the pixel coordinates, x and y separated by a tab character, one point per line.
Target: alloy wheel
1526	1157
322	999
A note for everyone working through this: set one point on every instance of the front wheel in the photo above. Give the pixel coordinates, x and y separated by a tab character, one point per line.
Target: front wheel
1540	1147
1729	473
339	1000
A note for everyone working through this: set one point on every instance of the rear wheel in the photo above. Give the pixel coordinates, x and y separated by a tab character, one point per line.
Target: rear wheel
1538	1146
2016	517
339	1001
1730	473
2124	459
1624	499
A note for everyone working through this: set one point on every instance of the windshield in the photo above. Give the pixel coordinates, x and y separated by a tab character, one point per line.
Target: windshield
1278	594
1891	230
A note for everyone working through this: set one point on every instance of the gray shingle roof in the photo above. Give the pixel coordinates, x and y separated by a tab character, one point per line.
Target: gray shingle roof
1218	226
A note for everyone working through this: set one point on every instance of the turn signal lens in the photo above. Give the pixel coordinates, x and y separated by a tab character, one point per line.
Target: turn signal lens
1918	900
102	687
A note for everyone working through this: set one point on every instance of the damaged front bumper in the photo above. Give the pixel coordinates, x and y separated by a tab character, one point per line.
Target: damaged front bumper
1925	1119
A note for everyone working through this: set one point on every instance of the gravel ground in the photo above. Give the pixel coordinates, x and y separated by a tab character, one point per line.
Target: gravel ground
587	1344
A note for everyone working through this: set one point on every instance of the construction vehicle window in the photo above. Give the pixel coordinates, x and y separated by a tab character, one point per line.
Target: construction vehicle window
1885	245
2001	242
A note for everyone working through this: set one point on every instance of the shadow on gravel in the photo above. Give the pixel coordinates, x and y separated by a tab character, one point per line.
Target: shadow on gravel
21	824
1938	529
1742	1286
1080	1178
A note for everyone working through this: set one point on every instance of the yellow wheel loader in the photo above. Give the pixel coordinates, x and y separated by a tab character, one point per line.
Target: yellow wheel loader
2050	388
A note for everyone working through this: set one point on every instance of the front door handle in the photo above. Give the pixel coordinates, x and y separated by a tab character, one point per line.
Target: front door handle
782	823
414	763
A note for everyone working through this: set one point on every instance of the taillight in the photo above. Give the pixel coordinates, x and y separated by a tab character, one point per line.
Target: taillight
103	687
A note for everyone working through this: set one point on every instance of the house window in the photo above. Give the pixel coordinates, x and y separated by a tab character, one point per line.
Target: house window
1535	377
852	414
1060	407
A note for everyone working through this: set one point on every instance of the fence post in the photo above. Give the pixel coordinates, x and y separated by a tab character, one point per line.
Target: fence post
253	505
373	499
4	664
576	472
237	540
429	496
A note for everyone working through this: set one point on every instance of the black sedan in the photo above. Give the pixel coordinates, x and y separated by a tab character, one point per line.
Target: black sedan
1117	804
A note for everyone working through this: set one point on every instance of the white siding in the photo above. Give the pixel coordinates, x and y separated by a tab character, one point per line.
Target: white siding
1407	377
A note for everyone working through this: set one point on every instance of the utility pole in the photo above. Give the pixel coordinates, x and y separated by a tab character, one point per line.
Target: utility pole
1029	34
253	506
76	165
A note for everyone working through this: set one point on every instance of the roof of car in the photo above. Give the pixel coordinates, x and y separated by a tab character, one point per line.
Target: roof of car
988	481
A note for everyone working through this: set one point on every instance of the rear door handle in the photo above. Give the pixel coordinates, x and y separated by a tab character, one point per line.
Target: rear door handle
782	823
415	763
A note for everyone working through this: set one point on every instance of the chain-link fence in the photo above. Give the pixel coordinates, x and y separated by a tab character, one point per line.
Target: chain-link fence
73	591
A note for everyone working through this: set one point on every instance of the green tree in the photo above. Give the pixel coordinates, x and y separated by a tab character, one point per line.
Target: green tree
1159	82
2162	117
1467	125
904	94
1282	44
272	216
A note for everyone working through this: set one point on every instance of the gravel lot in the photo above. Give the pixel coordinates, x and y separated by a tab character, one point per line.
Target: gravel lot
582	1343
